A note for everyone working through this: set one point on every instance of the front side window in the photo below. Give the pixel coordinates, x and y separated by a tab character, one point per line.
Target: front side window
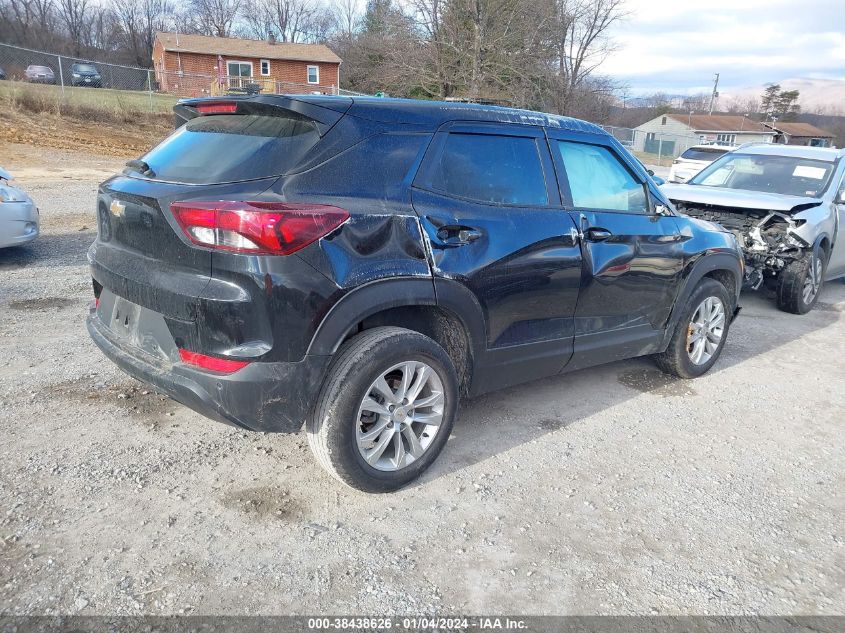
598	179
492	169
787	175
313	74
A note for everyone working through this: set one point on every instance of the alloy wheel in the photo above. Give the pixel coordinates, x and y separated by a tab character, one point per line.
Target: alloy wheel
400	416
813	281
706	329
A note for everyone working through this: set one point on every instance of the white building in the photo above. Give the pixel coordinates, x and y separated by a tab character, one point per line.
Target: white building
671	134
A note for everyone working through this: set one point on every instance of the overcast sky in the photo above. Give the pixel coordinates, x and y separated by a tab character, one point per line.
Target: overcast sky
676	46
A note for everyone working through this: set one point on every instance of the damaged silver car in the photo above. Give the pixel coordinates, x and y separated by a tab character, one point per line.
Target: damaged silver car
786	206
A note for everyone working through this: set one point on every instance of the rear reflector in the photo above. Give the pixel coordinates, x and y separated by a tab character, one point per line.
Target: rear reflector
221	365
266	228
218	107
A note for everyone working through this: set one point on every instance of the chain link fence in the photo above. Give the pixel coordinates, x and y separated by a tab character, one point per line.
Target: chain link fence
145	88
653	148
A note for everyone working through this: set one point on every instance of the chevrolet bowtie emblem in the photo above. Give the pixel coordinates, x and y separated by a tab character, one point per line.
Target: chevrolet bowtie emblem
117	208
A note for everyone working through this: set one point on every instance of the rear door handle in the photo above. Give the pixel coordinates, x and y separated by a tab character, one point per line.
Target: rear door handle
457	235
595	234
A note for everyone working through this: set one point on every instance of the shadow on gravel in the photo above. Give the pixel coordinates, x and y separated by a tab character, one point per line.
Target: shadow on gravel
500	421
51	249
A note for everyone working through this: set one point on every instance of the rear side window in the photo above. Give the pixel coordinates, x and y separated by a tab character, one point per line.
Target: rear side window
703	153
492	169
598	180
232	147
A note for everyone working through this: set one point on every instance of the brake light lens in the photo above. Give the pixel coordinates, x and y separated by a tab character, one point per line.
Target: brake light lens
212	363
261	228
218	107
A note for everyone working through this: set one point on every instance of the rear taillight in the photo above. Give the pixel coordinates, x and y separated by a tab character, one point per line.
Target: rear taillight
218	107
268	228
211	363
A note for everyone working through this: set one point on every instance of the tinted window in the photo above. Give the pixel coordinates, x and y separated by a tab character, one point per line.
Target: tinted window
787	175
498	169
228	148
703	153
598	180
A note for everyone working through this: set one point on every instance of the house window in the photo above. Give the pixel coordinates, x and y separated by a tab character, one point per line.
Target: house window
726	139
240	73
663	122
265	67
313	74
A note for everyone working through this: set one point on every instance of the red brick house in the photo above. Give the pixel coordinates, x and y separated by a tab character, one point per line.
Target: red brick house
196	65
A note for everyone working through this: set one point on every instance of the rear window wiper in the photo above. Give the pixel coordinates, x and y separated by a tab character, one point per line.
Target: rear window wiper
141	167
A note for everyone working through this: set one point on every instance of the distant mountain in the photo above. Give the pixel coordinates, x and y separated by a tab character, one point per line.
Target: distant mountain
816	94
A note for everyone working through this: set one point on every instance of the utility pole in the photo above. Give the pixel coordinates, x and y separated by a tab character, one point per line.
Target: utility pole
715	93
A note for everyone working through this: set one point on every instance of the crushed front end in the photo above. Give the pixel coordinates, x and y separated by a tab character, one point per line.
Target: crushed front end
770	240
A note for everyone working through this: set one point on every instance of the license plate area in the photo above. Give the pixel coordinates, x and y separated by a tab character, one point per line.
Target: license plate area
135	327
124	320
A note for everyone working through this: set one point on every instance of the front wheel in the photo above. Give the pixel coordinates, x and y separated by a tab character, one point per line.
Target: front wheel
700	333
386	409
800	283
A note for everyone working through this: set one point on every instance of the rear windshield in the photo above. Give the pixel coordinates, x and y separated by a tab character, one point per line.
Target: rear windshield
232	147
703	153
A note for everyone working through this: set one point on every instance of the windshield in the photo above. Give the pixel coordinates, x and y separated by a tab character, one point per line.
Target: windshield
703	153
85	68
786	175
232	147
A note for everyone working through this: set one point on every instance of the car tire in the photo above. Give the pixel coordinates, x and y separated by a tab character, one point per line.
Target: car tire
343	431
694	348
800	283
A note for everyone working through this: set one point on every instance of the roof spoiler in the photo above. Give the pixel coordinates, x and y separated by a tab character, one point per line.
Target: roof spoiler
324	115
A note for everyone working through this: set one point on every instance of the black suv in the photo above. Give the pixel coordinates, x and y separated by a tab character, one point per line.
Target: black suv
85	75
358	264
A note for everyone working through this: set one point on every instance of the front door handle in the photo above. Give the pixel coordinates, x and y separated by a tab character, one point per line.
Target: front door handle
456	235
595	234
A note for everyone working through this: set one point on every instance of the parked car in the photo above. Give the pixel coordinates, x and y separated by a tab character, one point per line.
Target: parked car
786	205
2	74
85	75
694	159
39	74
19	220
359	264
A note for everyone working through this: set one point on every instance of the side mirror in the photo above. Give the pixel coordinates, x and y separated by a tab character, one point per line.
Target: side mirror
658	180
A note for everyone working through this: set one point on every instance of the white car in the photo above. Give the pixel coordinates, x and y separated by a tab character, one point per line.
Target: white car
694	159
18	214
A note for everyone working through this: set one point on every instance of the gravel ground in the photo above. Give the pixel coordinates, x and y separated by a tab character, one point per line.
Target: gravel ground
612	490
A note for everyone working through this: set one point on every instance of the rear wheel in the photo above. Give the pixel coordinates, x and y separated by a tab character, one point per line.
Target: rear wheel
700	333
386	409
800	283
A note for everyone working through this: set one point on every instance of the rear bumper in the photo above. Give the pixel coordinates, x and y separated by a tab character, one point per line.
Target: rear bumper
271	397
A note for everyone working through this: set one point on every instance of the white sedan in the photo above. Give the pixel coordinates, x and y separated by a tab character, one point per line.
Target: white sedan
18	214
694	159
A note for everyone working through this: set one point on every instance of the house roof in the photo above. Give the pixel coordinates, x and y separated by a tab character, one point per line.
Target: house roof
720	123
799	129
234	47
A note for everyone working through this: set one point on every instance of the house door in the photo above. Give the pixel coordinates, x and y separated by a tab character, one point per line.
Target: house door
240	74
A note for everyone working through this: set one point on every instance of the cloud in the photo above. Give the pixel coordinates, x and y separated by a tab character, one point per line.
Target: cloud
677	46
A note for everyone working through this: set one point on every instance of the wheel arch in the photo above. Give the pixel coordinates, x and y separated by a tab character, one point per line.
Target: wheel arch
411	303
724	267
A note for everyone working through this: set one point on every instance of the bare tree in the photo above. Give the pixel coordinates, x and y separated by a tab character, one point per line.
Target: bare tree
138	21
76	17
288	20
213	17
